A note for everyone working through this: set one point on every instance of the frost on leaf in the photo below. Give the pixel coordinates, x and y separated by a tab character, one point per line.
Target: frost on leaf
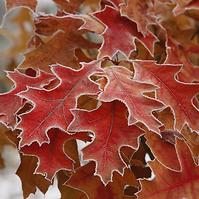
85	180
10	102
52	107
69	6
171	91
110	126
131	92
192	140
182	6
52	156
117	40
116	3
80	74
177	54
140	12
161	148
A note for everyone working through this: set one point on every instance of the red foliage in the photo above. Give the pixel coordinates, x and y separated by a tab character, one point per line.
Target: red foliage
86	76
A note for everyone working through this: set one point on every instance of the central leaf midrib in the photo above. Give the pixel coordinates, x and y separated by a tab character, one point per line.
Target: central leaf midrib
59	104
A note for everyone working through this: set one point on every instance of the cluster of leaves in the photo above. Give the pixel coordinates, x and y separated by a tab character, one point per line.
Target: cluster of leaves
121	76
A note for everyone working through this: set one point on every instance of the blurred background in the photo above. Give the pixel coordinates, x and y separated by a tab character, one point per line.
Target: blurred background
16	30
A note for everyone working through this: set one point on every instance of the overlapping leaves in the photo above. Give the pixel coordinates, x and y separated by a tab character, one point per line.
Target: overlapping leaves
79	81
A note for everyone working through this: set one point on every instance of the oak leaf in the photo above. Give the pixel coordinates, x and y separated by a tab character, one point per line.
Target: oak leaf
192	140
171	184
10	103
52	107
160	149
177	54
124	88
52	156
109	124
136	159
85	180
114	40
116	3
139	12
166	140
30	180
69	6
171	92
65	37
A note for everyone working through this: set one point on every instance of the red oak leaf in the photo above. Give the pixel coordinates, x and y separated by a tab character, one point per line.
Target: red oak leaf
52	156
10	103
130	91
171	184
139	12
171	91
109	123
52	107
176	54
117	40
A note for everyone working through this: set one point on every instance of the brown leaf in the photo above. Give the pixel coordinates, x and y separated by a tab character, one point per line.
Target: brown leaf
116	188
70	148
137	159
192	139
15	33
139	12
30	180
7	138
166	118
87	103
67	191
85	180
71	6
29	3
171	184
64	38
160	148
